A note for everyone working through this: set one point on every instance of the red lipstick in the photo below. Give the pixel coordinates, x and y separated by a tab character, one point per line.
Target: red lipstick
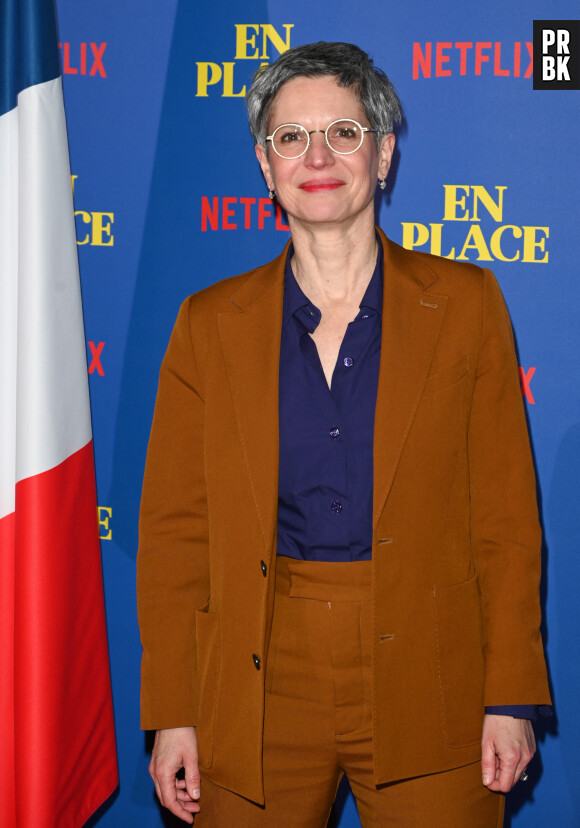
321	185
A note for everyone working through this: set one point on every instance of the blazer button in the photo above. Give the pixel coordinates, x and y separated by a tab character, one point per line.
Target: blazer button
256	661
264	568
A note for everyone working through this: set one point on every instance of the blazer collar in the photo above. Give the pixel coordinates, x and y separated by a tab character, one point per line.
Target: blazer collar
261	284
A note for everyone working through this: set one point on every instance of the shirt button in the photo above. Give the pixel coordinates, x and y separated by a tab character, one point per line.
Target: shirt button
336	507
334	432
365	316
256	661
348	361
264	568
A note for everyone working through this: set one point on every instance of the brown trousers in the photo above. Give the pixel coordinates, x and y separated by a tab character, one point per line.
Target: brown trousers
318	721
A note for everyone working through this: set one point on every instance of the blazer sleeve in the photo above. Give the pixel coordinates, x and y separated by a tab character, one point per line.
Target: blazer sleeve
173	556
505	530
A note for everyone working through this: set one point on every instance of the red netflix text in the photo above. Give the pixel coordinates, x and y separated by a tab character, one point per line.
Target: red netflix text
237	213
525	380
83	58
95	365
442	59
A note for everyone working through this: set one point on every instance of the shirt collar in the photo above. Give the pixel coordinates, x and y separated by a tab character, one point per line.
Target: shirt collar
373	297
295	300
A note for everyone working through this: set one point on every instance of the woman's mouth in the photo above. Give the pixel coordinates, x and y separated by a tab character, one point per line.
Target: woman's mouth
320	185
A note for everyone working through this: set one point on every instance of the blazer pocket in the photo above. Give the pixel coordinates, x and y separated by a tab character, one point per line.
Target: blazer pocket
460	665
208	661
447	376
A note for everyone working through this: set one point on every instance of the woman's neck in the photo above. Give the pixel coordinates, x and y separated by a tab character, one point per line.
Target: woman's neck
333	264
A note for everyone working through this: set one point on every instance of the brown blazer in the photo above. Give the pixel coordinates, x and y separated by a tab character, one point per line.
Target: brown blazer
456	539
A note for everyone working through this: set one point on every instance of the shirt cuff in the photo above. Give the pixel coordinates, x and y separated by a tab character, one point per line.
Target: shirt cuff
521	711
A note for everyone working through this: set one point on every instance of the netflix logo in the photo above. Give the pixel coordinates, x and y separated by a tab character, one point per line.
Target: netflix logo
241	213
525	380
83	59
441	59
95	356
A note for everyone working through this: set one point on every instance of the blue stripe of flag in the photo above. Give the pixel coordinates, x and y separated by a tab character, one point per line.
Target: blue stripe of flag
28	47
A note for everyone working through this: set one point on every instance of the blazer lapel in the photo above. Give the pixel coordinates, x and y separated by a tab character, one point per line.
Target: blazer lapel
250	337
412	320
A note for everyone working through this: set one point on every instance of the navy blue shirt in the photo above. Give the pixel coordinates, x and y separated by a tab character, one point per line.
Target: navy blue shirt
326	434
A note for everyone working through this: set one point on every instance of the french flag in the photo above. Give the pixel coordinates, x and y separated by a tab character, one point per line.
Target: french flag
57	749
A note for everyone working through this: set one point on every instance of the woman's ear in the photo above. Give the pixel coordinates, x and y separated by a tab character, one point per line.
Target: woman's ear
262	157
386	150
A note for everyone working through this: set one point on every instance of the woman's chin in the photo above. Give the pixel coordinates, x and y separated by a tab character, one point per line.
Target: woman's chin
322	215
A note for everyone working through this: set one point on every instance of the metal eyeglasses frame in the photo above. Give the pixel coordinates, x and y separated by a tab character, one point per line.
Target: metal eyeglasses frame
325	131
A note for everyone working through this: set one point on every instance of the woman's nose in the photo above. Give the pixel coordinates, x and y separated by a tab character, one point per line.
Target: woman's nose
318	153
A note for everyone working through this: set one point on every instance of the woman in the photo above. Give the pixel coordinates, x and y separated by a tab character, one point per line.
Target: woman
339	553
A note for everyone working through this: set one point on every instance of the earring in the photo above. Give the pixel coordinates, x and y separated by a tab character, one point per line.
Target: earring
382	183
272	194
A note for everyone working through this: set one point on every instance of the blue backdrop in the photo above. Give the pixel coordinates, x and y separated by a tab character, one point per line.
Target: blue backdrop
169	198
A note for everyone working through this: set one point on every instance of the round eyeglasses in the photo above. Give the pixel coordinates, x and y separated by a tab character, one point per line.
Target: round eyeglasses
343	136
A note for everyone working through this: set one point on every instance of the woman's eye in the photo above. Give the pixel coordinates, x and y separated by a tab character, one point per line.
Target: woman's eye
291	137
345	132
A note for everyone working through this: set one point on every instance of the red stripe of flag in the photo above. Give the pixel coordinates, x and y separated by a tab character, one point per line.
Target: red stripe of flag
65	749
61	714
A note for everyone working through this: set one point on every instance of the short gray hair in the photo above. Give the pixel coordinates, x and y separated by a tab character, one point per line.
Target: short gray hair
345	61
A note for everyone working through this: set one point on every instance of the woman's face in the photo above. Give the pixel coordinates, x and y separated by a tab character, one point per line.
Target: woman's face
323	186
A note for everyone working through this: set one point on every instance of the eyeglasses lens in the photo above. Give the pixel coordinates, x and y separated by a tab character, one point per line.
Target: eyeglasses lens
344	136
290	140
